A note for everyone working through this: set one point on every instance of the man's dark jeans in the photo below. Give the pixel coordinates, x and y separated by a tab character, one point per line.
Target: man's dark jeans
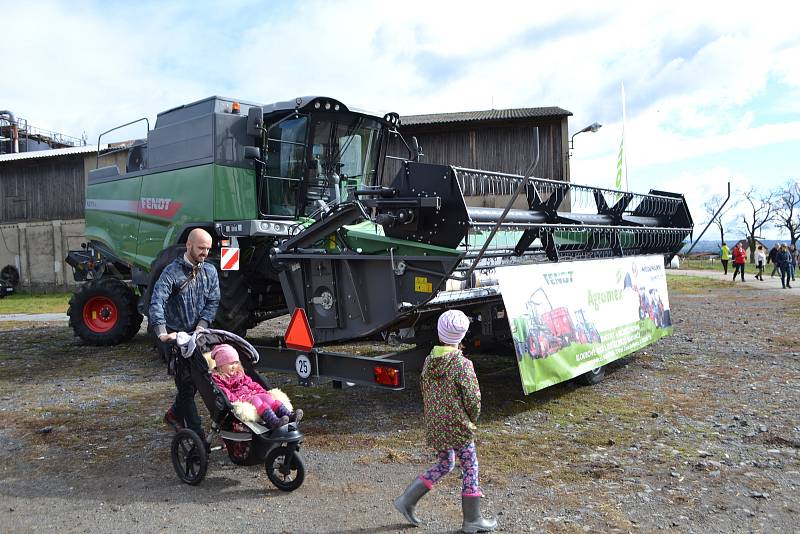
184	406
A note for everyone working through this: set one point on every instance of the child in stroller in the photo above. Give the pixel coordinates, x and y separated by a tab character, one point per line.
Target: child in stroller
231	379
246	440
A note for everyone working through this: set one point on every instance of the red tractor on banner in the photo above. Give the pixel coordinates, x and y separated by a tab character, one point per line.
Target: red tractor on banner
552	330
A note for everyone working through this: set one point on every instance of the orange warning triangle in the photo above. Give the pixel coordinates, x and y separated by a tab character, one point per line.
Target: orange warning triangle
298	336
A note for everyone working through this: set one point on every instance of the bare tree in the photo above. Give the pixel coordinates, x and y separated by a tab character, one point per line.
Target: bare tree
711	207
759	213
787	209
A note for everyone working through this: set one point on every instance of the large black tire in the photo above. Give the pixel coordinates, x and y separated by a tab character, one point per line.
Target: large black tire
189	457
286	476
103	312
10	275
164	258
233	313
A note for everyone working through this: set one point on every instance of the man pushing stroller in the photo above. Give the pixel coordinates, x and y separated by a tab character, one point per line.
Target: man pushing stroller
185	298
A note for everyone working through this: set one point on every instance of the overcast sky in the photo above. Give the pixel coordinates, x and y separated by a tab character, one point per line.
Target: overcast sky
711	93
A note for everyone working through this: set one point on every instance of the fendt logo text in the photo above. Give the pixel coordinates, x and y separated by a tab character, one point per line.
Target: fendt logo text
151	203
554	279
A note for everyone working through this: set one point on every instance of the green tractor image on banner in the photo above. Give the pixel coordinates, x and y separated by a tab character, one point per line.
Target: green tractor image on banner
309	208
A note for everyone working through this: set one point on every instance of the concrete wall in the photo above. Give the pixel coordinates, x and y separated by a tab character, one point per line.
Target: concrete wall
38	249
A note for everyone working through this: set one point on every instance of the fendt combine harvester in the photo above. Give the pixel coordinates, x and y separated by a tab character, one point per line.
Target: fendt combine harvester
305	215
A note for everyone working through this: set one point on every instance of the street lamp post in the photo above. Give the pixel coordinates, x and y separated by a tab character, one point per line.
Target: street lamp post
591	128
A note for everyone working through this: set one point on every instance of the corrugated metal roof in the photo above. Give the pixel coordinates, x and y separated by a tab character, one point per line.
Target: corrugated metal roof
51	153
483	116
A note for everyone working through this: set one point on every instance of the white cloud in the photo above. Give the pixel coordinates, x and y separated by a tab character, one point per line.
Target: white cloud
691	70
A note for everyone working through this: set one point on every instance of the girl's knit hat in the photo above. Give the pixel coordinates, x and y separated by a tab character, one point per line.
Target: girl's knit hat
452	327
224	354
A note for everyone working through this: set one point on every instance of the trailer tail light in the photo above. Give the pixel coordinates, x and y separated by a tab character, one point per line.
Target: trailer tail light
387	376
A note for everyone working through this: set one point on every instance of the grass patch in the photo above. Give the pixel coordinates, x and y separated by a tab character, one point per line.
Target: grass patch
789	341
703	265
25	303
689	285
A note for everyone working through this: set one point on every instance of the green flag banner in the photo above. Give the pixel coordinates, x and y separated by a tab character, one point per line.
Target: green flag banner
569	318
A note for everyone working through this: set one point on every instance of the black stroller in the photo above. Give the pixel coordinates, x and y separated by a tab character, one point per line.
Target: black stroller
247	443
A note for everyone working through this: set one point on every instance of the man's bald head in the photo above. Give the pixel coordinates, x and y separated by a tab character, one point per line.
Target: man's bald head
198	245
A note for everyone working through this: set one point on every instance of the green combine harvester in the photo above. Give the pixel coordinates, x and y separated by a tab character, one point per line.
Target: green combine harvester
309	210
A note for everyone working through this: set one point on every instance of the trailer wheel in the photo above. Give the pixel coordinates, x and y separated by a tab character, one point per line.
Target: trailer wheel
103	312
595	376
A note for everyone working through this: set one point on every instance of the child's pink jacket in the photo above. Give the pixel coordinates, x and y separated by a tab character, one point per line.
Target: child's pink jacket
239	387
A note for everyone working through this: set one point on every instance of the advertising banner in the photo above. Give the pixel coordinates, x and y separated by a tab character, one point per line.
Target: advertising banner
569	318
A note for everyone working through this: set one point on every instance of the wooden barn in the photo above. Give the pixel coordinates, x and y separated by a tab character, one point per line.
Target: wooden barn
44	185
42	198
495	140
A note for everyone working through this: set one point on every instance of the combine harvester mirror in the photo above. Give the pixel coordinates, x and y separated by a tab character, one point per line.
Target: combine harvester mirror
569	318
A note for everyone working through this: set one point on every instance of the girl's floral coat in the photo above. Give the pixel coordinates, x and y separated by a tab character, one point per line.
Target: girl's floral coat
452	398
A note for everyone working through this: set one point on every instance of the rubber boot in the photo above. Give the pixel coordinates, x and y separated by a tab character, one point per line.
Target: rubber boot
407	502
473	520
283	421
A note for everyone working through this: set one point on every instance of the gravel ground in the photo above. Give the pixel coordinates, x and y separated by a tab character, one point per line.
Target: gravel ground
698	433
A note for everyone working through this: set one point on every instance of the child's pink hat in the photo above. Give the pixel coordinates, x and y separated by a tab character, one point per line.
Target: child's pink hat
452	326
224	354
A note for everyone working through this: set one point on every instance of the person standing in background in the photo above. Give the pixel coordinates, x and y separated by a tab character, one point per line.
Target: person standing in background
724	256
739	259
761	259
782	259
773	253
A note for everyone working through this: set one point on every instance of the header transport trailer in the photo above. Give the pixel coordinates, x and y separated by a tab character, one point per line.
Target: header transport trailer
309	211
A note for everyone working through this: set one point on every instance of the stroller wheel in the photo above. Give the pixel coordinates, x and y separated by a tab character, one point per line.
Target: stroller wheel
189	457
240	452
285	469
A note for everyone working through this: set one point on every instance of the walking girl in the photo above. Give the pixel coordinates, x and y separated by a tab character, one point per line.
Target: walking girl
724	256
761	258
739	259
452	403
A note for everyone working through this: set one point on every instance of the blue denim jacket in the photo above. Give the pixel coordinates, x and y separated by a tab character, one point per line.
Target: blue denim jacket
178	306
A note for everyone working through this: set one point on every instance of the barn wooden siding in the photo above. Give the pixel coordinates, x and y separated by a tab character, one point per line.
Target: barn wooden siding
42	189
498	147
